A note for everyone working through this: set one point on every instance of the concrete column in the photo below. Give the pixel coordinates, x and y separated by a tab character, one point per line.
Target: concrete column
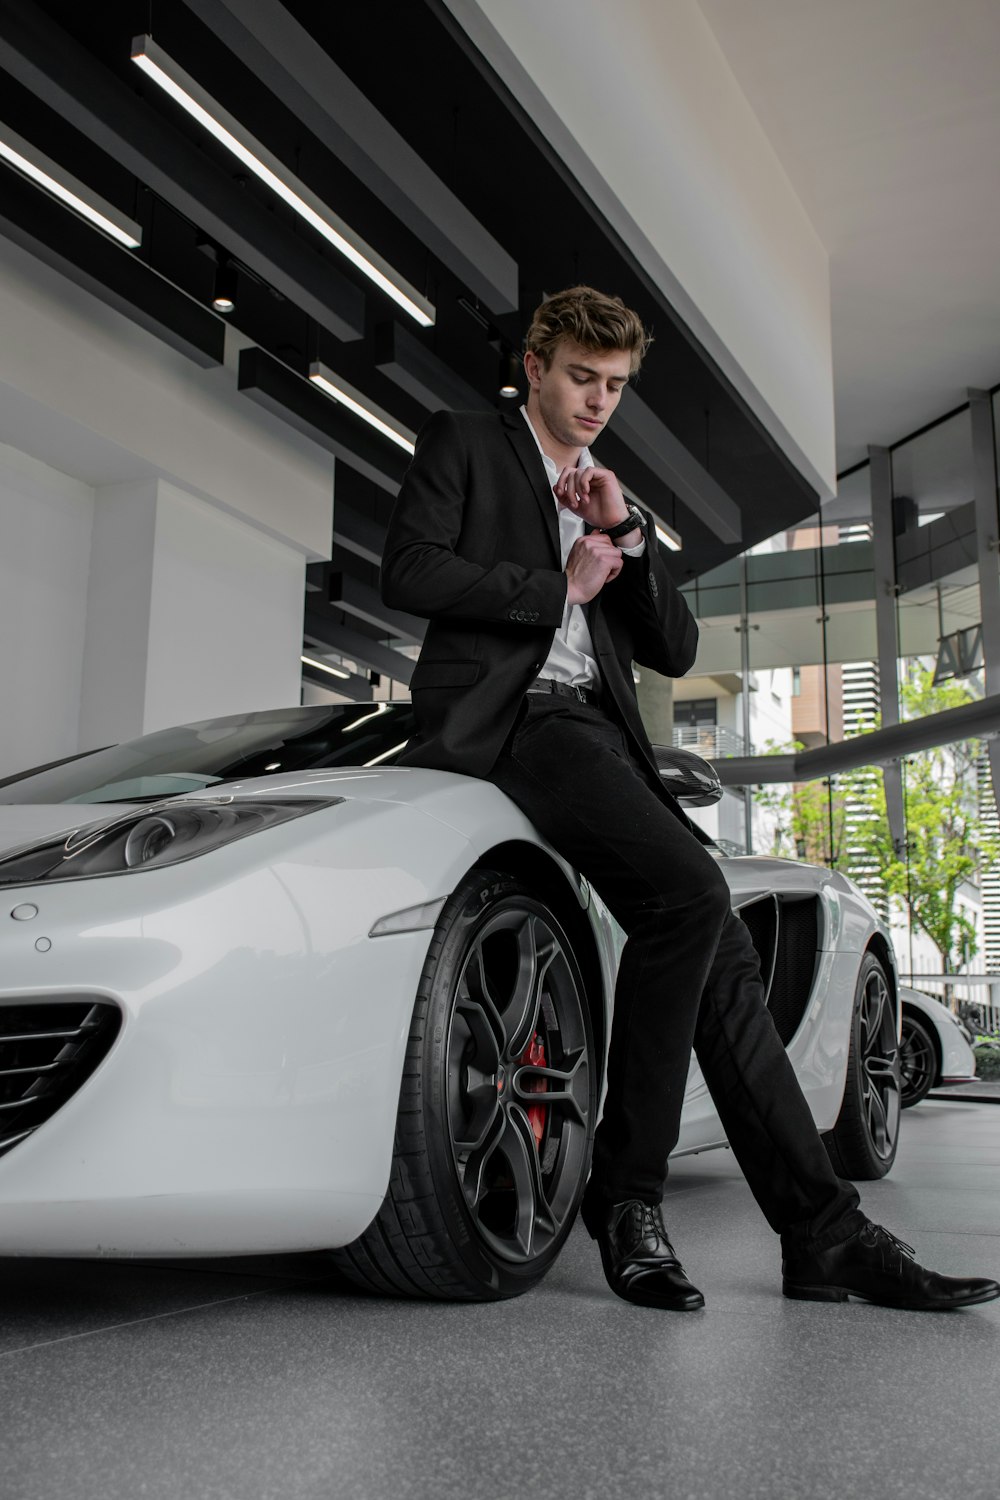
656	705
887	631
984	469
190	613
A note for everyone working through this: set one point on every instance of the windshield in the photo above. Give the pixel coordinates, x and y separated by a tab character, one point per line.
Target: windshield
176	762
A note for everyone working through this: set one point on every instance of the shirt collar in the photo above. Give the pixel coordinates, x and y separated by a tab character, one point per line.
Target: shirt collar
551	467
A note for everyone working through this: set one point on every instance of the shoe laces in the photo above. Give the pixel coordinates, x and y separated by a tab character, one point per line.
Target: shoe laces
645	1221
877	1235
652	1219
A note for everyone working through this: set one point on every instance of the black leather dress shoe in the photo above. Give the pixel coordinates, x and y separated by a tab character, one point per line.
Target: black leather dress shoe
639	1261
874	1265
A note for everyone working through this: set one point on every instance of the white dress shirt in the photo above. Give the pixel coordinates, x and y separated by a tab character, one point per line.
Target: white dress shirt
571	658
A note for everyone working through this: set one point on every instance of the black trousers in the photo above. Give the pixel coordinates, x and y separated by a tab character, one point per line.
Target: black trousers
689	977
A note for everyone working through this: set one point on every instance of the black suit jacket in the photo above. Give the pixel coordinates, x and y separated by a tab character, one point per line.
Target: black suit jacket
473	545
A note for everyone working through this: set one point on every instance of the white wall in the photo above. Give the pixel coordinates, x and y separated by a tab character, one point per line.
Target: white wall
82	385
228	598
639	100
154	528
190	614
45	524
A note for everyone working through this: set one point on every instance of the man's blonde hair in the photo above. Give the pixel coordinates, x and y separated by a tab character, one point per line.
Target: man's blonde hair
592	320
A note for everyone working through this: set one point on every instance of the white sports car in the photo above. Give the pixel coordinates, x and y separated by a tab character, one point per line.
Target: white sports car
261	990
935	1047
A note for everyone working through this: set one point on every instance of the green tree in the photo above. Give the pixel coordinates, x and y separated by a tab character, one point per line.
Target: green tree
805	820
846	826
947	844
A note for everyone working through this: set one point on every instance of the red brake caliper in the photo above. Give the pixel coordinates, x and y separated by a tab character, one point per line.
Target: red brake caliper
537	1113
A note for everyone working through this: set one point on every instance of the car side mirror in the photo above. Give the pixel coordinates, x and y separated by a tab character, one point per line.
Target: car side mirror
687	776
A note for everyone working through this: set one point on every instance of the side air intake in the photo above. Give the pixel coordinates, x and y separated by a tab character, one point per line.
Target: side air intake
785	932
47	1050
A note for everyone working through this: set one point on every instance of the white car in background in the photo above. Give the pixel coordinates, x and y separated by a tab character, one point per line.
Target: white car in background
262	990
935	1047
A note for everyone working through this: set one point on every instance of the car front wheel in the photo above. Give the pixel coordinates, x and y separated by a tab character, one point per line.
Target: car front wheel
497	1106
862	1144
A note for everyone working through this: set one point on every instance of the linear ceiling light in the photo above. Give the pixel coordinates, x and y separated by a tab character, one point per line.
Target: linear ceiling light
667	535
228	131
321	666
48	174
337	389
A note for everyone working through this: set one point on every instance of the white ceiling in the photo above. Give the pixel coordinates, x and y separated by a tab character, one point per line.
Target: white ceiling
886	117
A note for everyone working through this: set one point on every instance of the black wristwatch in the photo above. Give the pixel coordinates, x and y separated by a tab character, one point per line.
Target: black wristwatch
622	528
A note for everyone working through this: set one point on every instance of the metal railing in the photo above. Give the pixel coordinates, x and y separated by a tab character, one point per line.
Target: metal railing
710	740
970	720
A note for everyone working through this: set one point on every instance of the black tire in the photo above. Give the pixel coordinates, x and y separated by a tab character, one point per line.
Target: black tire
919	1063
862	1144
497	1106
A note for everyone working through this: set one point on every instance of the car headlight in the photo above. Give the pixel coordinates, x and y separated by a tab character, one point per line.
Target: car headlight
164	834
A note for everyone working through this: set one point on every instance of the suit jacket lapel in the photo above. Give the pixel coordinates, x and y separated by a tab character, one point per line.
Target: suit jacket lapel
526	449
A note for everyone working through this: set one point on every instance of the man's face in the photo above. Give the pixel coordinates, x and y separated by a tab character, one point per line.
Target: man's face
576	393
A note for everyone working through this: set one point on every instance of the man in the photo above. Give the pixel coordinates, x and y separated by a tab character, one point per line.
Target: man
542	586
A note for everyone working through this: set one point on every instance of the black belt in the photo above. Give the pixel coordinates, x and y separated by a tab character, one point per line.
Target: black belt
564	690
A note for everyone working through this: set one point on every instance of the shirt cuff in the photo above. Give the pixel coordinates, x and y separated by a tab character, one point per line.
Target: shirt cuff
633	551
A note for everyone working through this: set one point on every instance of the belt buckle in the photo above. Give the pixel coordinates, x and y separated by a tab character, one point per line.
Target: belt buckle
580	692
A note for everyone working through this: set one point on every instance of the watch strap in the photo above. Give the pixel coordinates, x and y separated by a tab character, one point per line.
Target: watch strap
622	528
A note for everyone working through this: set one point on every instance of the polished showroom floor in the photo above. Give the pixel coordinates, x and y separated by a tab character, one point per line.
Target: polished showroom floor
248	1380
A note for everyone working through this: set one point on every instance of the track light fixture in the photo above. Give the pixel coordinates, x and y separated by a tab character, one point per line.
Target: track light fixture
54	179
334	386
228	131
510	372
224	296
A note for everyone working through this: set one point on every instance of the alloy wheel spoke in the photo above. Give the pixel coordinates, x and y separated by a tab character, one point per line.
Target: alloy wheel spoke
873	1012
474	1175
485	1054
478	1005
878	1120
485	1107
915	1060
534	1216
881	1068
535	954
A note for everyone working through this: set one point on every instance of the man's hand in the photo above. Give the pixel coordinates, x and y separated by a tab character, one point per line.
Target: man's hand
592	561
594	494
